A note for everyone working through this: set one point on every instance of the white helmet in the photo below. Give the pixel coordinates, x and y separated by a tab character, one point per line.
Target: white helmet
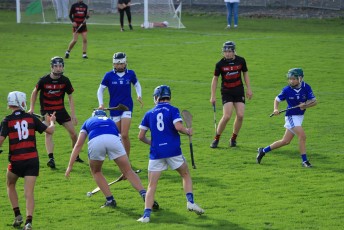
119	58
18	99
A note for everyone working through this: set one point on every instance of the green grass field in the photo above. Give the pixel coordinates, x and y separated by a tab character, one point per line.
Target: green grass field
235	192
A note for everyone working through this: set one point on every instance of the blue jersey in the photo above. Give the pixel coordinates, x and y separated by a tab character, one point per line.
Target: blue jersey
119	89
164	136
96	126
295	96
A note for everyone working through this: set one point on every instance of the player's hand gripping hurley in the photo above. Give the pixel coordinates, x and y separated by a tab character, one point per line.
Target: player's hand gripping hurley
294	107
188	121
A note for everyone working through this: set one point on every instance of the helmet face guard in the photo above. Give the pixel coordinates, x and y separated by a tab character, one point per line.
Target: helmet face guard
56	63
228	46
17	99
161	92
119	58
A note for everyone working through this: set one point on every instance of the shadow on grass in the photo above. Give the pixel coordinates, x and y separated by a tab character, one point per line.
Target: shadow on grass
182	220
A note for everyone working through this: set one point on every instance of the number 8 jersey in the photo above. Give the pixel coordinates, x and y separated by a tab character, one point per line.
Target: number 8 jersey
165	138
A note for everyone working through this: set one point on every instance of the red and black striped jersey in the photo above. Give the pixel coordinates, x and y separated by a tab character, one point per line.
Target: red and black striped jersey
52	92
78	12
230	71
20	128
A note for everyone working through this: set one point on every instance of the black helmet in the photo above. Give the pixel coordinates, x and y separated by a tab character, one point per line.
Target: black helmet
228	46
57	60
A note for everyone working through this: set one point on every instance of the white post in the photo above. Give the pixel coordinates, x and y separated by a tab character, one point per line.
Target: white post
145	15
18	10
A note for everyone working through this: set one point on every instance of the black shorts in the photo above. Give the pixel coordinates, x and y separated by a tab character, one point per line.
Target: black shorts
82	29
62	116
24	168
236	94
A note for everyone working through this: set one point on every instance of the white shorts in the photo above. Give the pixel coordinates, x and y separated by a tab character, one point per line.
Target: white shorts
162	164
125	114
293	121
106	144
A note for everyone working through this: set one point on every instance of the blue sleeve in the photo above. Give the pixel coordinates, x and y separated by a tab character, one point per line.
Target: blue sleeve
310	94
105	80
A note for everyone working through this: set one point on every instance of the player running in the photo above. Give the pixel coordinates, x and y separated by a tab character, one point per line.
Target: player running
297	93
165	124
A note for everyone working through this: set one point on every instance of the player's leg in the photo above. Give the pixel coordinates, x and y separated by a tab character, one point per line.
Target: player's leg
300	133
96	171
286	139
124	130
121	18
184	172
11	188
239	118
124	165
227	113
128	12
13	197
71	131
69	126
73	42
84	44
29	186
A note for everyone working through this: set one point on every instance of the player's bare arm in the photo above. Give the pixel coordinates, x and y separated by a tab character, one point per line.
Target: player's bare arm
142	137
249	93
213	90
33	100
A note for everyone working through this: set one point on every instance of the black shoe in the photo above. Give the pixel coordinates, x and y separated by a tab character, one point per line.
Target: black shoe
156	205
111	204
260	155
78	159
214	144
51	163
232	143
18	220
130	27
306	164
67	55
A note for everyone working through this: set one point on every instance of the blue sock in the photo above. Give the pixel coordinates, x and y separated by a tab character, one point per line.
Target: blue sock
267	149
143	194
147	212
189	197
109	198
304	157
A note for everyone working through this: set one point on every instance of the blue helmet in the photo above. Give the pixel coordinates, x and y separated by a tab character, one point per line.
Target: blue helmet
295	72
162	91
99	113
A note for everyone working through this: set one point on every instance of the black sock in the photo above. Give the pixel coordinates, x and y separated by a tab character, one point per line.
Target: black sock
51	155
28	220
16	211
